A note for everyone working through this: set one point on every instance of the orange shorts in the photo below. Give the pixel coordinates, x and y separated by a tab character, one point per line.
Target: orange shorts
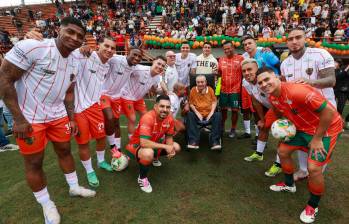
55	131
129	107
90	124
246	100
269	118
114	104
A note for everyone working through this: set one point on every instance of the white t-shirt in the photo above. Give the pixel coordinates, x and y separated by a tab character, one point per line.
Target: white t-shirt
118	76
308	66
206	65
42	88
175	104
170	77
139	83
1	104
183	67
89	82
254	91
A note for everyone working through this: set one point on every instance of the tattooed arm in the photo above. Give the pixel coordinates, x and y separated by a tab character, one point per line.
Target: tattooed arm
69	106
327	78
9	74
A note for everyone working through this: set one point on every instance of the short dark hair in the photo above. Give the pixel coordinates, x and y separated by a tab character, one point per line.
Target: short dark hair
185	42
207	43
297	28
162	97
160	57
247	37
101	40
264	69
228	42
71	20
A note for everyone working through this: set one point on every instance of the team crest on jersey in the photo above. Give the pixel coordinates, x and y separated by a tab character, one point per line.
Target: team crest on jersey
92	71
29	140
309	71
289	75
289	102
167	125
72	76
294	111
48	71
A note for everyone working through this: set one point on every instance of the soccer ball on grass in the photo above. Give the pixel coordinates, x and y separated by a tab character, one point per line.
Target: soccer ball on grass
119	162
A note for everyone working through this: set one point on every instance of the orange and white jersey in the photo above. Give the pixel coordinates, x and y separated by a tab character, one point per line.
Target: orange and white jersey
253	90
42	88
118	76
140	83
89	81
308	66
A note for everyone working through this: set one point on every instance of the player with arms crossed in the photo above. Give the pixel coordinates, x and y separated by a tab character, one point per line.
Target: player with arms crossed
318	125
37	81
313	66
146	143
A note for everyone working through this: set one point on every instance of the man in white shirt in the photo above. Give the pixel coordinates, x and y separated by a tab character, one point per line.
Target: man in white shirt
170	77
313	66
185	64
37	80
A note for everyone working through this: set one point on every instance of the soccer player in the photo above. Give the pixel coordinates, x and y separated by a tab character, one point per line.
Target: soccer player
185	64
264	58
146	143
229	68
88	113
37	82
170	76
142	80
121	68
266	117
312	66
318	125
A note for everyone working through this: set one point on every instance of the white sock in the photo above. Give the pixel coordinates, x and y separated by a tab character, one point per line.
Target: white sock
257	130
261	146
72	179
277	159
303	160
100	156
88	165
42	197
247	124
118	142
111	139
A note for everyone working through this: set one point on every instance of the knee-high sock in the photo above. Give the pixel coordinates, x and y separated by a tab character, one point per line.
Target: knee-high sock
303	160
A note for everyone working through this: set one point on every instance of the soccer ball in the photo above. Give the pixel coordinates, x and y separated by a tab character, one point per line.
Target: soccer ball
119	163
283	129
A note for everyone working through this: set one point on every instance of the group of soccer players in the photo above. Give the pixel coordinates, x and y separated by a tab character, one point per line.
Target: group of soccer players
55	90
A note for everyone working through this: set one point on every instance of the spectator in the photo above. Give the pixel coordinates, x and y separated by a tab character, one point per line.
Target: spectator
341	88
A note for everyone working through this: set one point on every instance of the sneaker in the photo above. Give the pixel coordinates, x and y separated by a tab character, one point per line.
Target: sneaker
145	185
273	171
232	133
51	214
92	179
216	147
308	214
192	146
9	147
244	135
8	133
300	175
254	157
283	187
105	165
82	192
156	163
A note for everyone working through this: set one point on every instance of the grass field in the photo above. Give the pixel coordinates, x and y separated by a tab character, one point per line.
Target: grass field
195	187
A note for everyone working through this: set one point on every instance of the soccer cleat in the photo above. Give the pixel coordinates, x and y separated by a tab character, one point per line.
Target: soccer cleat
51	214
232	133
244	136
308	214
92	179
283	187
106	166
273	171
156	162
9	147
145	185
300	175
254	157
82	192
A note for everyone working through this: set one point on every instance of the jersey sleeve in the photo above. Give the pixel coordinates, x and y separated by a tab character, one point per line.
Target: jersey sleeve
146	127
271	58
325	61
23	54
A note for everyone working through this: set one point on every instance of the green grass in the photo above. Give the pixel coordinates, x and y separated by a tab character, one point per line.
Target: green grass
194	187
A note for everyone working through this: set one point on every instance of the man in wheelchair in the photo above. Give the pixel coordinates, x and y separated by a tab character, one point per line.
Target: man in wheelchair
203	103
